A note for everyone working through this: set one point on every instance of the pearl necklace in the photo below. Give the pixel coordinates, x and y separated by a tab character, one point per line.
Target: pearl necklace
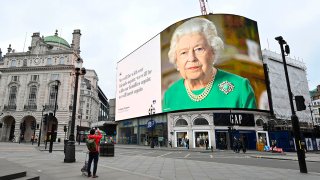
203	95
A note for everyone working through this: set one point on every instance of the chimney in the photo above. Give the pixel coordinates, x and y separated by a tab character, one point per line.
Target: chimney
76	41
35	39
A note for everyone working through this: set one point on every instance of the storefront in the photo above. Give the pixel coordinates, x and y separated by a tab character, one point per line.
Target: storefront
218	128
139	131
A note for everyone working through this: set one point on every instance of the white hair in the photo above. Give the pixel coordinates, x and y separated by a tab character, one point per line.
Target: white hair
196	25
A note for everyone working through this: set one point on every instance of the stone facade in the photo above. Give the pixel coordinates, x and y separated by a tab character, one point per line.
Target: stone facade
28	88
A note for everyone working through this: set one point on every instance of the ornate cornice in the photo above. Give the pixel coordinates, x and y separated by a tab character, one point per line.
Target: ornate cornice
28	54
37	68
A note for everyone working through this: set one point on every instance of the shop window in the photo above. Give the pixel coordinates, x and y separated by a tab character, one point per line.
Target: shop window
202	139
201	121
182	139
181	122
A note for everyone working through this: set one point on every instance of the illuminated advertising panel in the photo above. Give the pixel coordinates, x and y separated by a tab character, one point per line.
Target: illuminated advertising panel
211	61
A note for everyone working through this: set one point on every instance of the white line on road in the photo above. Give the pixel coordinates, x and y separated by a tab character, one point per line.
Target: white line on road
211	156
135	173
186	155
164	154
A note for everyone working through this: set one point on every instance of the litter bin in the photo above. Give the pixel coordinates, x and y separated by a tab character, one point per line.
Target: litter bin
107	149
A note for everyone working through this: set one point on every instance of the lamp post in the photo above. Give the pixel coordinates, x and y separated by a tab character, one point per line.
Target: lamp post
70	146
54	115
151	124
311	111
294	117
39	138
79	129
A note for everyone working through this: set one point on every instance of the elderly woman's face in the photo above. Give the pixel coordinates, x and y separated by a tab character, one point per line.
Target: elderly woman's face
194	56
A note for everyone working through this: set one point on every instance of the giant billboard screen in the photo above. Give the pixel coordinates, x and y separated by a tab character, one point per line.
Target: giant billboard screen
204	62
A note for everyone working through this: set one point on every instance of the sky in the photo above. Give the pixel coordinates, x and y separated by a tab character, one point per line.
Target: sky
113	29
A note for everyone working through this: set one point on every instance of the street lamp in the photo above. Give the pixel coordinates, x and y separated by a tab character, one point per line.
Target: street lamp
311	111
79	128
151	124
294	117
57	90
70	146
39	138
54	115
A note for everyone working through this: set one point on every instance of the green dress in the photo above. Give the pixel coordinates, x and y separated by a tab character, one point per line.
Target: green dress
228	91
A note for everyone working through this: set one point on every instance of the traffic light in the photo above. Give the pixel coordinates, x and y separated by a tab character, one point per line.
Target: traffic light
300	103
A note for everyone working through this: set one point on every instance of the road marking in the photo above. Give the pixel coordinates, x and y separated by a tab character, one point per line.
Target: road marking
211	156
164	154
135	173
146	153
186	155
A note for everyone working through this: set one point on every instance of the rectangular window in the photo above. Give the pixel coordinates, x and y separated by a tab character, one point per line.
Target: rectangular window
34	77
49	61
13	63
12	97
15	78
62	60
25	62
52	96
32	102
87	111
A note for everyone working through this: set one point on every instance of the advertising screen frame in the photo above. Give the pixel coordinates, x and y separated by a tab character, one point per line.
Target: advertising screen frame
241	56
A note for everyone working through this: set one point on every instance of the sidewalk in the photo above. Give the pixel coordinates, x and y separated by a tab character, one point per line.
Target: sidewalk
310	156
50	166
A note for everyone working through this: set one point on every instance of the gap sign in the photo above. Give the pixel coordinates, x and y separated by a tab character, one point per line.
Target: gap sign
233	119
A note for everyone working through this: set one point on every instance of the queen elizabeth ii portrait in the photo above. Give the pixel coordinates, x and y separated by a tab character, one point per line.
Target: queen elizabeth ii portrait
194	47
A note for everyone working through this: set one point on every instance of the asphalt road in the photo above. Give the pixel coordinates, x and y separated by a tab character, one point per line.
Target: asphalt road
227	157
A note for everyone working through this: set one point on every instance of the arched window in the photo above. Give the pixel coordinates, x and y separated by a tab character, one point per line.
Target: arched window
200	121
32	101
259	122
12	97
181	122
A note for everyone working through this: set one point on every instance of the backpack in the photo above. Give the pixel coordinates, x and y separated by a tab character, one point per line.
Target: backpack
91	145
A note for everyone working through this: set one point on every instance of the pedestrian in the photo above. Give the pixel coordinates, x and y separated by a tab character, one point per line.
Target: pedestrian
170	143
94	155
235	145
244	144
207	143
187	143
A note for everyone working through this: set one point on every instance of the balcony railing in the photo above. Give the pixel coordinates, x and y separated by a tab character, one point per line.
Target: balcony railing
11	107
31	107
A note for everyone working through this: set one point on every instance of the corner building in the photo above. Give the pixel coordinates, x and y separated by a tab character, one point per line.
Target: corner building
242	56
42	81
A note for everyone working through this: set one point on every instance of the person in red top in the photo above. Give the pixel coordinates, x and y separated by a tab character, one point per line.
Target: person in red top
94	155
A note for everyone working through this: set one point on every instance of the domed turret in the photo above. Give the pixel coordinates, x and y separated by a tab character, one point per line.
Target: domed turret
55	40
